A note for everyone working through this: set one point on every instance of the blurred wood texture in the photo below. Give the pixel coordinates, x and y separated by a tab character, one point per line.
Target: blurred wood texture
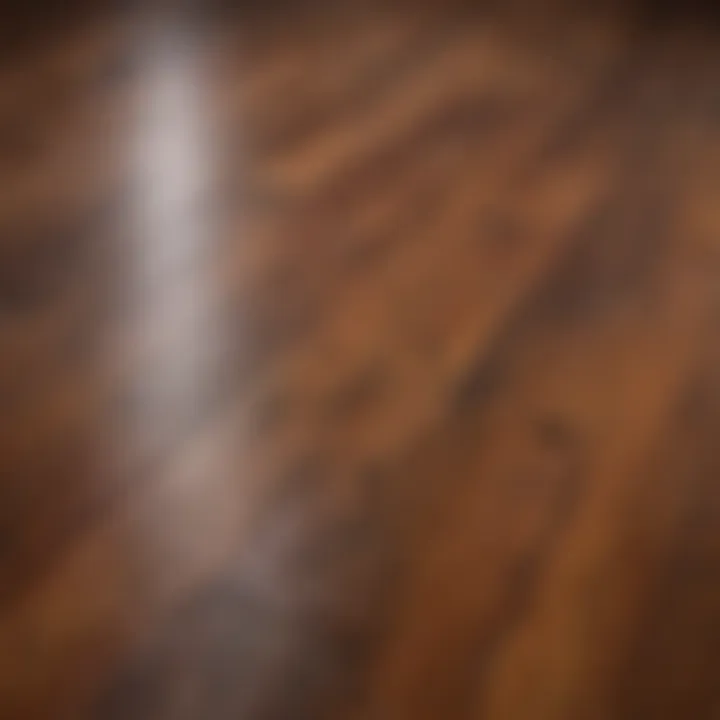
360	360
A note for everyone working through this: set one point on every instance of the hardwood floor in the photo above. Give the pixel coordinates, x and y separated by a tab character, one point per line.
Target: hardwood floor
360	361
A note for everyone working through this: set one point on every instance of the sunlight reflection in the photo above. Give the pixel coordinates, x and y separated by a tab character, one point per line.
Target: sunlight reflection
173	170
190	512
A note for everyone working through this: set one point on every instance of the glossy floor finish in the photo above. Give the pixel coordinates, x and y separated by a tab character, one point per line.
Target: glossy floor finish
360	361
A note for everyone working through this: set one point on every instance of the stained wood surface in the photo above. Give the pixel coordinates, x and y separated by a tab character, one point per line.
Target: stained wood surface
360	361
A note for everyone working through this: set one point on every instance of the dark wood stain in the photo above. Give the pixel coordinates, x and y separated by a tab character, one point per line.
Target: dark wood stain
359	360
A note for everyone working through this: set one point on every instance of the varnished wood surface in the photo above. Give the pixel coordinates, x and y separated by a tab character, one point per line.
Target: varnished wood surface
360	361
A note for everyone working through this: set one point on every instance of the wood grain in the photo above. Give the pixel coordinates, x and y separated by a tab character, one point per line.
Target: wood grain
359	361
